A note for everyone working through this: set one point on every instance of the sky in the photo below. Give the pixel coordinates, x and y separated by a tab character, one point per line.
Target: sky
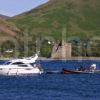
15	7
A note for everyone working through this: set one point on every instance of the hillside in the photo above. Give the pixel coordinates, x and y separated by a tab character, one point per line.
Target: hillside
7	28
80	18
3	16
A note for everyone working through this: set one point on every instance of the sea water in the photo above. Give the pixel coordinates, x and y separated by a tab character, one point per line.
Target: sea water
53	86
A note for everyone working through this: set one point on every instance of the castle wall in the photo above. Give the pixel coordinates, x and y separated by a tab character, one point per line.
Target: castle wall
61	52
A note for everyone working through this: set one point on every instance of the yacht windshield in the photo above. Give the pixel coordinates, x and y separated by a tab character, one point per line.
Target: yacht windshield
7	63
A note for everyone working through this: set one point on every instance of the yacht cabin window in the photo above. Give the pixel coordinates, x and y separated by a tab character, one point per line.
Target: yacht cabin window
17	63
20	64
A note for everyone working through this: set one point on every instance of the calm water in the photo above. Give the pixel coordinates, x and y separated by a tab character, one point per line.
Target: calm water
52	86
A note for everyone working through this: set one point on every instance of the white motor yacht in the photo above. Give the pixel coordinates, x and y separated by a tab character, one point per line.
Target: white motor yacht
20	67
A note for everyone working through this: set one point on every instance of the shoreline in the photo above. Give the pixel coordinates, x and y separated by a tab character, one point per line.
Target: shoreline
72	58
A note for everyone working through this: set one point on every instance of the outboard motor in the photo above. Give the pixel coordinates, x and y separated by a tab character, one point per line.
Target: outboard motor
93	67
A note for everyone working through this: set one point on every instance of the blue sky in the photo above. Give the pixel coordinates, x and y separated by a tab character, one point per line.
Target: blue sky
14	7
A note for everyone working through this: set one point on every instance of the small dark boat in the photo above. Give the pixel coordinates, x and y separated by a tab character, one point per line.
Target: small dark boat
68	71
81	70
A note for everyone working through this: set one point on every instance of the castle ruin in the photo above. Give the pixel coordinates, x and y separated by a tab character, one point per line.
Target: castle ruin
61	50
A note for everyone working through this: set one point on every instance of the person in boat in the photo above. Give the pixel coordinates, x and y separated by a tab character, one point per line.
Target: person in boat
81	68
93	67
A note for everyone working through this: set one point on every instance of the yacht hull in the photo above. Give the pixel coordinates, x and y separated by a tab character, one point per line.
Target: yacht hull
19	71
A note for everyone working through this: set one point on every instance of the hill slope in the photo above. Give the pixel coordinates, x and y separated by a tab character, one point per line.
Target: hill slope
7	28
3	16
80	17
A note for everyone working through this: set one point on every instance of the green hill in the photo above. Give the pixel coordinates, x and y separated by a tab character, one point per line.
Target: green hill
81	18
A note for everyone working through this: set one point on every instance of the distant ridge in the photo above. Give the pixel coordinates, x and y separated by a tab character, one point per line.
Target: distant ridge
3	16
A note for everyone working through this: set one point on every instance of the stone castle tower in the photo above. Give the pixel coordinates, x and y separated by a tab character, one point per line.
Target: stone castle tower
61	50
